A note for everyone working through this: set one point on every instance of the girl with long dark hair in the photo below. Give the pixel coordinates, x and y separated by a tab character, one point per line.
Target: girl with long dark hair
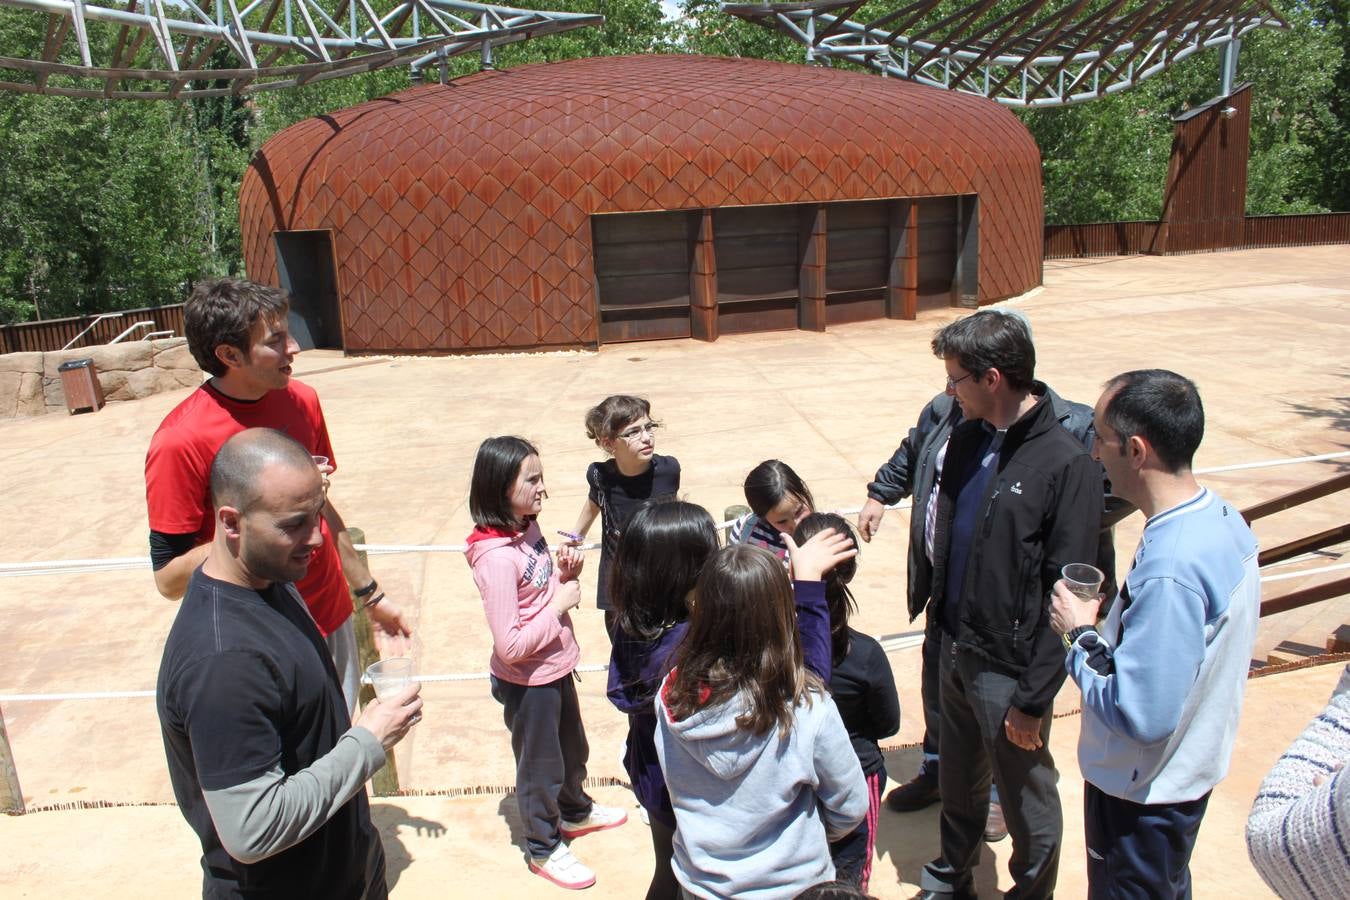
863	688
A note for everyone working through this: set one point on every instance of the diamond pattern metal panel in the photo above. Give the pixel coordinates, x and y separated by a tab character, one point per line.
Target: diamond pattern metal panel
462	211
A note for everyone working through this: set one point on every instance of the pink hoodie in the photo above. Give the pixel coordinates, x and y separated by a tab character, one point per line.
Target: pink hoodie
516	576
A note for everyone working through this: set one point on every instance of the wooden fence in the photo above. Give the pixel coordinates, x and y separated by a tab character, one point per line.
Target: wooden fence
1126	238
53	334
1288	231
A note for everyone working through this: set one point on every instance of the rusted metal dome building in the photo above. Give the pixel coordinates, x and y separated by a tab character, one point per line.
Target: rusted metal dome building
628	198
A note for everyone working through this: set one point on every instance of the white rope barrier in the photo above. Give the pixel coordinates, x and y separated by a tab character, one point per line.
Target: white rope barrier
1285	576
1267	464
890	644
60	567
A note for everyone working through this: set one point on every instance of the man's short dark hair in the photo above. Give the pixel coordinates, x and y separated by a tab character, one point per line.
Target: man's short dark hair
224	311
241	459
990	339
1163	408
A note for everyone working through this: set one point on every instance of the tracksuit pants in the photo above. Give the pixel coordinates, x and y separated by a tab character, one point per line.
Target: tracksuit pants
549	744
1138	850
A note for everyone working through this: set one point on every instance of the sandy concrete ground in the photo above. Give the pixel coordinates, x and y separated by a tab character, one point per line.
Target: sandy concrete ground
1262	332
462	847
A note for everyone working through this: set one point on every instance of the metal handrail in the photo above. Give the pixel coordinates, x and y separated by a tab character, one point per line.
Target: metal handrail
146	323
99	318
1318	592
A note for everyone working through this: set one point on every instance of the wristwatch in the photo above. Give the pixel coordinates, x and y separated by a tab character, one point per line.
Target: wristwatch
1074	634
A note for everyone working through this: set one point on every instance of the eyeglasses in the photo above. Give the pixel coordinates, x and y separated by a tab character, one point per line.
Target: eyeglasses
632	434
953	382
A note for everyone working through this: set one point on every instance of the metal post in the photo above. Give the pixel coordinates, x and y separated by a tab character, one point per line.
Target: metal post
385	781
11	796
733	512
1228	66
485	62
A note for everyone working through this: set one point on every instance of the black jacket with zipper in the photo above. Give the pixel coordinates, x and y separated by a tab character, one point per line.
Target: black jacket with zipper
1042	508
912	468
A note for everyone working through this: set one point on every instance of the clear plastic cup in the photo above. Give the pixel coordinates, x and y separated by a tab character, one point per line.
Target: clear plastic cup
389	676
1083	581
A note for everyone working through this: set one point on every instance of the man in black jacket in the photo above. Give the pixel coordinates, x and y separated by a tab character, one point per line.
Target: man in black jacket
913	471
1018	498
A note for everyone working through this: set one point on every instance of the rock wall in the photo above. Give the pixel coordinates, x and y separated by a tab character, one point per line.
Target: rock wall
30	384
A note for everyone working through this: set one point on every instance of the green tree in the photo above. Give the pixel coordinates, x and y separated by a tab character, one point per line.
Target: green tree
1332	140
706	30
100	201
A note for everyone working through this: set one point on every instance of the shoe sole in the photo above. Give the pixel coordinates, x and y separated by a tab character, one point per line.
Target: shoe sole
911	806
992	838
581	832
571	886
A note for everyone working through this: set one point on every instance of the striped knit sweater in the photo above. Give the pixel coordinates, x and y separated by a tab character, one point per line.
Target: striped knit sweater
1298	834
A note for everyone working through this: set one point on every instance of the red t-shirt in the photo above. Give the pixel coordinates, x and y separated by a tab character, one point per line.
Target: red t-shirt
178	474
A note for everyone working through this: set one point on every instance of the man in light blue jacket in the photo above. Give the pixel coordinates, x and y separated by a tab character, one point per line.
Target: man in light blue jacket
1163	678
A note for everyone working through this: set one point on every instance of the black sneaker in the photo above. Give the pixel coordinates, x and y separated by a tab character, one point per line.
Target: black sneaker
919	792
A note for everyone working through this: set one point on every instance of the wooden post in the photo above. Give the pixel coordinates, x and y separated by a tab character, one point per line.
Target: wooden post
733	512
811	256
703	280
385	781
902	283
11	796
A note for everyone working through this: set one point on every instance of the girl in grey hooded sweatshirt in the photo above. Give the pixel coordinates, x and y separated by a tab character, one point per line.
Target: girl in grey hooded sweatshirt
759	766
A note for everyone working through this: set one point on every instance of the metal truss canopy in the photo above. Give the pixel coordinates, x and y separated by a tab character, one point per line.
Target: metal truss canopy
158	49
1040	53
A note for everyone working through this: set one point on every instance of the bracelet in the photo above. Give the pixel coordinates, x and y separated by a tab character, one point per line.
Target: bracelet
367	590
367	604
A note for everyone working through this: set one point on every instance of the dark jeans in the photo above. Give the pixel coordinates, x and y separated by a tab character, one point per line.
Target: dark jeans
549	744
1137	850
930	682
974	749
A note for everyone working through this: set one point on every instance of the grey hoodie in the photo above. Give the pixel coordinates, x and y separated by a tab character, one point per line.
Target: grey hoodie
754	812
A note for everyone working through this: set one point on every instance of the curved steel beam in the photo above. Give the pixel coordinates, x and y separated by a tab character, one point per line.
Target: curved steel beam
158	49
1038	54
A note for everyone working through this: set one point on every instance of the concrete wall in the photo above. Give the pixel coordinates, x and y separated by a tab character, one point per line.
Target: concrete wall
30	384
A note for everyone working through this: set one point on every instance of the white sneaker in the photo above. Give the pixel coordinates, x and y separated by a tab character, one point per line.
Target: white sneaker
600	818
643	815
563	869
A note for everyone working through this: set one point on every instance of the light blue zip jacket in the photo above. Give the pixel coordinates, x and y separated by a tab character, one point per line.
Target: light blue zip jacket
753	812
1163	683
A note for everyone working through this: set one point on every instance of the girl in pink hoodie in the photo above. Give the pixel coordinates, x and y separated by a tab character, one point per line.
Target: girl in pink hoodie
534	652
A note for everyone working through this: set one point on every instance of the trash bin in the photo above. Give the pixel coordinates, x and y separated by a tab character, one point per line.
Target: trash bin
79	382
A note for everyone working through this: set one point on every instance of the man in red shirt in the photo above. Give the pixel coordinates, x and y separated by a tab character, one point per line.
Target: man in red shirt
237	332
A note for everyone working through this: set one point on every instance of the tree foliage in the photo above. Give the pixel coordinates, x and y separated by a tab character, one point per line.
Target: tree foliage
107	205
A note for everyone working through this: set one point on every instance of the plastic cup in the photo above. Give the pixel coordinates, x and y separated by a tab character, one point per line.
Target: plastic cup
389	676
1082	580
